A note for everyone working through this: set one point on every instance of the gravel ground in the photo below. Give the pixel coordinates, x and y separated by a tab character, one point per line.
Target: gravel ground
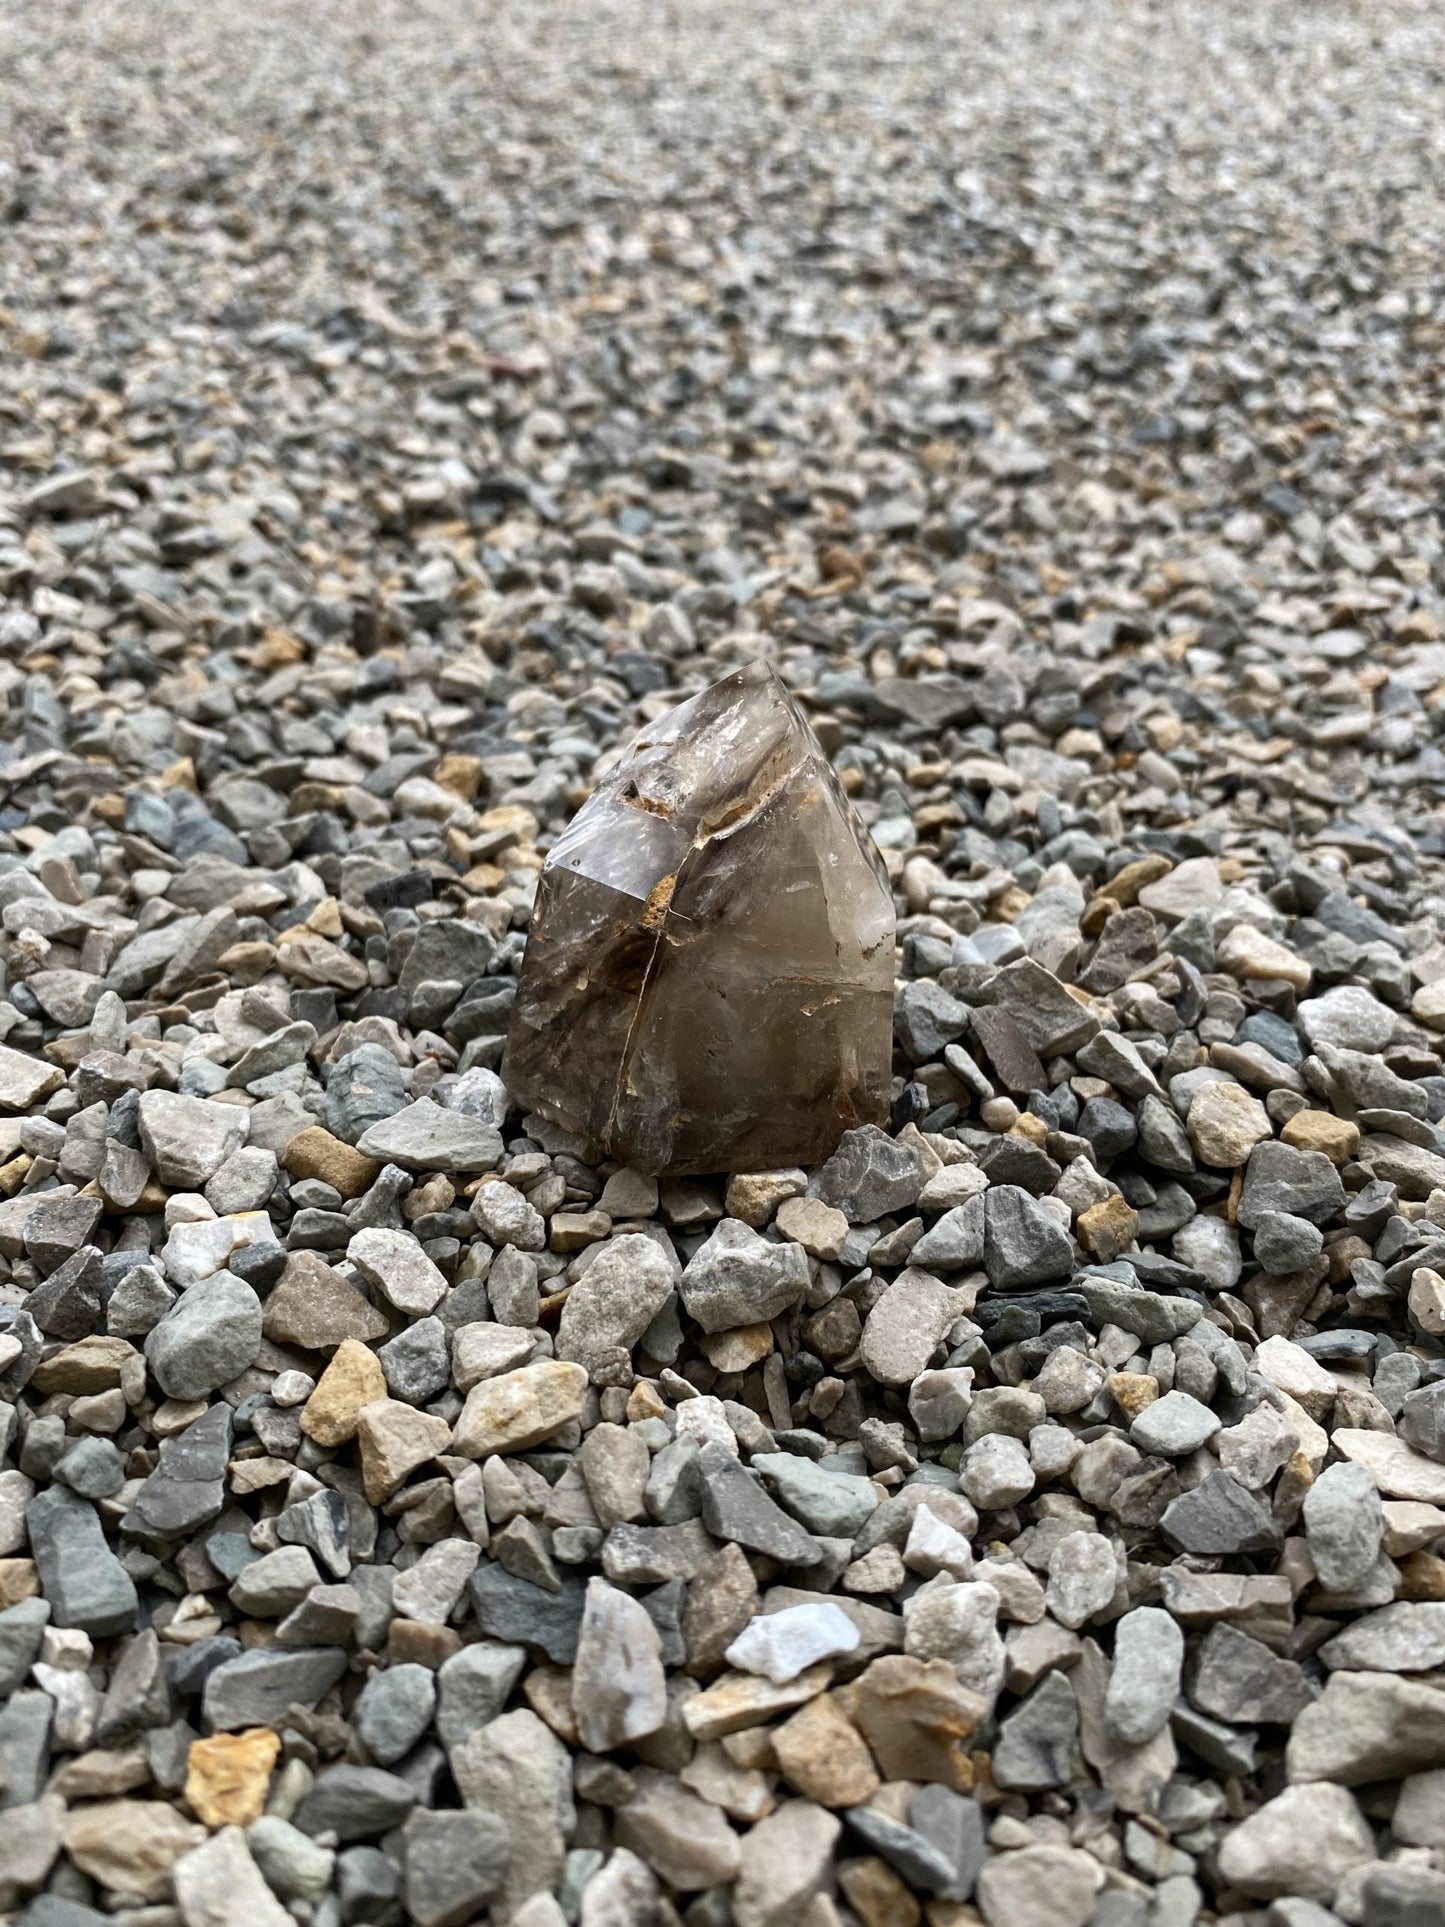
1035	1514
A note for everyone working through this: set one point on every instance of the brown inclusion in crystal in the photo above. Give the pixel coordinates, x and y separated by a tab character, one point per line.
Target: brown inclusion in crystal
708	982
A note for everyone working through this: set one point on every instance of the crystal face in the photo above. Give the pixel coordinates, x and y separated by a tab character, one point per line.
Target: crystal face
708	982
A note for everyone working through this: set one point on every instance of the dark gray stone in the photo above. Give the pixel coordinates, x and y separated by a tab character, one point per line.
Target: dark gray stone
1022	1244
354	1803
364	1087
453	1864
208	1337
257	1687
1284	1243
92	1467
67	1305
871	1176
1237	1678
954	1827
1037	1742
927	1019
322	1523
187	1489
1279	1178
417	1362
735	1508
450	950
1219	1516
393	1710
519	1612
83	1581
1421	1420
912	1855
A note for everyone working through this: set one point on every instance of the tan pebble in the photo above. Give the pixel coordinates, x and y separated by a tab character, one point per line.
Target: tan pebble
1132	1392
1337	1137
1107	1229
520	1409
754	1196
100	1775
93	1365
1225	1123
1250	955
227	1776
738	1700
823	1756
819	1228
460	774
880	1570
353	1378
1422	1576
548	1691
742	1792
917	1719
575	1230
877	1895
18	1580
395	1438
315	1153
645	1401
130	1846
739	1349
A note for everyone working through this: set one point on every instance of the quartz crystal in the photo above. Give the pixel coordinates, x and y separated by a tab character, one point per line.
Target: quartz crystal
708	983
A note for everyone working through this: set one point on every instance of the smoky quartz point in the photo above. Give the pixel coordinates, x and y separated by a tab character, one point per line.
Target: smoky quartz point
708	981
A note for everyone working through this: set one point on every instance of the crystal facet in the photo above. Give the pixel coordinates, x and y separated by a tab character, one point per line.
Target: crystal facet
708	983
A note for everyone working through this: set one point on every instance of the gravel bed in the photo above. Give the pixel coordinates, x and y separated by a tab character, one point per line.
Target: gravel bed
1030	1514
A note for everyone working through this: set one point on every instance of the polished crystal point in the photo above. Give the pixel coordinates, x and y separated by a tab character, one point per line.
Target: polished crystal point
708	983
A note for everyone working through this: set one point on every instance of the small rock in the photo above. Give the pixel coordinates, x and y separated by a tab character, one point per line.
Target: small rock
1349	1017
1083	1577
187	1139
1173	1425
1144	1683
84	1583
393	1710
220	1885
130	1846
354	1378
822	1755
787	1862
425	1137
780	1645
210	1335
905	1327
1343	1523
453	1862
1023	1245
869	1176
1303	1842
393	1263
1225	1123
1039	1886
619	1688
227	1776
519	1409
395	1439
739	1278
614	1301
